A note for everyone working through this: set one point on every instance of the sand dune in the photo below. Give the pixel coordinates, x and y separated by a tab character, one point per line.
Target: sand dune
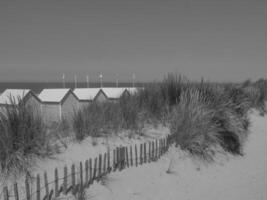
230	178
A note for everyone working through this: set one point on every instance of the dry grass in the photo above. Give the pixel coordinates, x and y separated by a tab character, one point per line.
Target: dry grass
201	115
22	136
192	126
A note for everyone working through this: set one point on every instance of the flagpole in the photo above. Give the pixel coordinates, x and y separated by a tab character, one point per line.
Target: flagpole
87	81
133	77
75	81
101	80
63	80
117	80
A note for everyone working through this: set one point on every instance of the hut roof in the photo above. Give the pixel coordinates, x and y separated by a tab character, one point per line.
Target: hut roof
113	93
132	90
12	96
53	95
86	94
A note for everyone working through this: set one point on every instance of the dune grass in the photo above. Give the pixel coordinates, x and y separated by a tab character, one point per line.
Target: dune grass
103	119
201	115
22	136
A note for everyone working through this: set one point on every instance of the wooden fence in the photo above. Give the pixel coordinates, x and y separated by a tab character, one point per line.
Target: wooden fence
86	173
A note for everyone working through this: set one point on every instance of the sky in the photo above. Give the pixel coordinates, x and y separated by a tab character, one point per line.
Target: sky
220	40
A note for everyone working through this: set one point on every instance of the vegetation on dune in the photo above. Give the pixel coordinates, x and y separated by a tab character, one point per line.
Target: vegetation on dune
201	117
192	126
100	119
22	135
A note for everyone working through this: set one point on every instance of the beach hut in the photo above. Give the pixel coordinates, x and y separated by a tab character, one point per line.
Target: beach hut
14	97
58	104
114	94
132	90
88	95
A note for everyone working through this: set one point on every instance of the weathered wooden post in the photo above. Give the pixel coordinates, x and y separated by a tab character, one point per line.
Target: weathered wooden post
141	153
56	183
136	156
27	187
65	180
127	157
145	160
6	195
114	159
73	177
149	151
16	193
81	174
108	161
156	152
86	173
38	190
90	171
46	185
105	160
131	155
99	165
95	169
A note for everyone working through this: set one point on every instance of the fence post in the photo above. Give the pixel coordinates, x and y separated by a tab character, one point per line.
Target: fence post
6	196
81	174
145	153
141	154
118	164
27	187
149	151
163	146
46	185
86	173
123	158
165	143
73	177
160	152
38	191
153	150
56	183
95	169
114	159
108	168
127	157
156	151
16	193
136	157
65	181
105	160
90	171
131	155
99	165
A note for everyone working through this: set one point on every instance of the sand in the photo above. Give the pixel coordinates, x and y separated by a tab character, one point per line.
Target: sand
177	175
231	178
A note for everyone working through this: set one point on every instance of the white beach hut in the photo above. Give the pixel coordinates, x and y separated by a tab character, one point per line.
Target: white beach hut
132	90
88	95
58	104
13	97
113	94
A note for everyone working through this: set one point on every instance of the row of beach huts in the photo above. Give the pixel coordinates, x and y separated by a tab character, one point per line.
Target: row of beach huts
57	104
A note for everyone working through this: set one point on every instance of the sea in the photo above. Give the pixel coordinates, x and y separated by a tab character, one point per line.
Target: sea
38	86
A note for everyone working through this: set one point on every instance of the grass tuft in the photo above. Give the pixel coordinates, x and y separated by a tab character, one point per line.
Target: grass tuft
22	136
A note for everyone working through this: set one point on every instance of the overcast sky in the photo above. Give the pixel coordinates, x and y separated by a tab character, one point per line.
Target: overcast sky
217	39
